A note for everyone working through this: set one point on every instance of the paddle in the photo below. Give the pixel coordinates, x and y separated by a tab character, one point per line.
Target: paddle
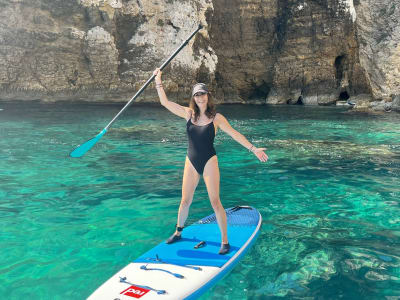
82	149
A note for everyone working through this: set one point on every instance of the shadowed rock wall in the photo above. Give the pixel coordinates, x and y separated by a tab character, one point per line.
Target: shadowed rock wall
286	51
378	27
258	51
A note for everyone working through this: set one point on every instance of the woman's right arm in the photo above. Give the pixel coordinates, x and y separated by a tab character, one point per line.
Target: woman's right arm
173	107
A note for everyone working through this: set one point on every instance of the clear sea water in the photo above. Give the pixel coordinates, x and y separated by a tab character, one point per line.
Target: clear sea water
329	197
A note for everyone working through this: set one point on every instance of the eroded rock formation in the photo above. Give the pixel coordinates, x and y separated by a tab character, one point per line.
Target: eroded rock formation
378	27
258	51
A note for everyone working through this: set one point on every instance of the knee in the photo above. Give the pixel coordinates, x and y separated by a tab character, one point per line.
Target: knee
216	203
186	202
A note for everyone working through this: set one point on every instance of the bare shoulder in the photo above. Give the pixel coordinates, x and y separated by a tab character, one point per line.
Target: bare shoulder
219	118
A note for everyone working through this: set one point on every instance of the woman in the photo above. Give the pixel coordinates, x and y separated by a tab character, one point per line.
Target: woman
202	125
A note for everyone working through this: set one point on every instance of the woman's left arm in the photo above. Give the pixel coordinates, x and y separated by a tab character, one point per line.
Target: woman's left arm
223	123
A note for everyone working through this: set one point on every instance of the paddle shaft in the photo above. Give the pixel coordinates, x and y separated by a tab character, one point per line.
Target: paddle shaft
153	76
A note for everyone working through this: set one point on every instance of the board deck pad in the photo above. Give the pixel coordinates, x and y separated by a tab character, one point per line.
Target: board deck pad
241	224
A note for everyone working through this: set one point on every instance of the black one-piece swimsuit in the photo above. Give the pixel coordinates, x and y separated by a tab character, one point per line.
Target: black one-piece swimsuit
201	144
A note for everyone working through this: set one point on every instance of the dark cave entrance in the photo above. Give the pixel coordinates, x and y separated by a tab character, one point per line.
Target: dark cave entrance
339	66
344	96
260	92
298	102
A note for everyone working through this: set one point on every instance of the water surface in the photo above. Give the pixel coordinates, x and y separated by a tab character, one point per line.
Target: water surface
329	197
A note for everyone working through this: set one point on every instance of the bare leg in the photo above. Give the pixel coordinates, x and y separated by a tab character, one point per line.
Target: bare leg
211	178
189	184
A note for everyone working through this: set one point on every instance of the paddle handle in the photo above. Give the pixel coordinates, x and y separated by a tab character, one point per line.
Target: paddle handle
153	76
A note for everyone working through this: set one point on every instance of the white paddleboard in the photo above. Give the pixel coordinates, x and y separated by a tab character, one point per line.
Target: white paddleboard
178	270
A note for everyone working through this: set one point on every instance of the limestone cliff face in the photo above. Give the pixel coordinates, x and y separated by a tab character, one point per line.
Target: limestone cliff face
98	49
287	51
378	26
274	51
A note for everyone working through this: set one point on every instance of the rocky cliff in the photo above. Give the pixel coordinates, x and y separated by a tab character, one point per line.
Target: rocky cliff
257	51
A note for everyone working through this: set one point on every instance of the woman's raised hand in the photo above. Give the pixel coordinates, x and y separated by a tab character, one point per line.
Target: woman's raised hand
157	72
261	155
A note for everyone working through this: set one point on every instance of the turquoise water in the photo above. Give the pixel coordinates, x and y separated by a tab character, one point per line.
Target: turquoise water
329	197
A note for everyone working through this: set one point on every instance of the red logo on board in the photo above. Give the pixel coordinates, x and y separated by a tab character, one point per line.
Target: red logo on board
135	292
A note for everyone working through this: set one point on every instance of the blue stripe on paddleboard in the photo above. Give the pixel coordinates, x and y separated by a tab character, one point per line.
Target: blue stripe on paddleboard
242	222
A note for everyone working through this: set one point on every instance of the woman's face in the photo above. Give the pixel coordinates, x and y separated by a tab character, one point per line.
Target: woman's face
201	99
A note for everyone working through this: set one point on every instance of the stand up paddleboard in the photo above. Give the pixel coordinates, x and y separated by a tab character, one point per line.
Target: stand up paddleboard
187	268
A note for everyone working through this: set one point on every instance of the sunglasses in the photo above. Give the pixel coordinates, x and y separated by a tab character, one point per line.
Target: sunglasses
199	94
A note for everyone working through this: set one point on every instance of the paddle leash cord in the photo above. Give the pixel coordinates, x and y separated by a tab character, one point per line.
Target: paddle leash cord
144	267
159	260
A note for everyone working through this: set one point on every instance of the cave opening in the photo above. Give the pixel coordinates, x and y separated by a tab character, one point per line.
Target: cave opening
339	66
300	101
260	92
344	96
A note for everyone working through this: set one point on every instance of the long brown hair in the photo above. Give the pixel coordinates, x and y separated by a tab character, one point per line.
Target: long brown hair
210	111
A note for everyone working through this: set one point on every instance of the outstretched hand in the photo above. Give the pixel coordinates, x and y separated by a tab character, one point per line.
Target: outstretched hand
261	155
157	72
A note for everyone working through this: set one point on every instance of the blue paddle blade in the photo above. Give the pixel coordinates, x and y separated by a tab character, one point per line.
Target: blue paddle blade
85	147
